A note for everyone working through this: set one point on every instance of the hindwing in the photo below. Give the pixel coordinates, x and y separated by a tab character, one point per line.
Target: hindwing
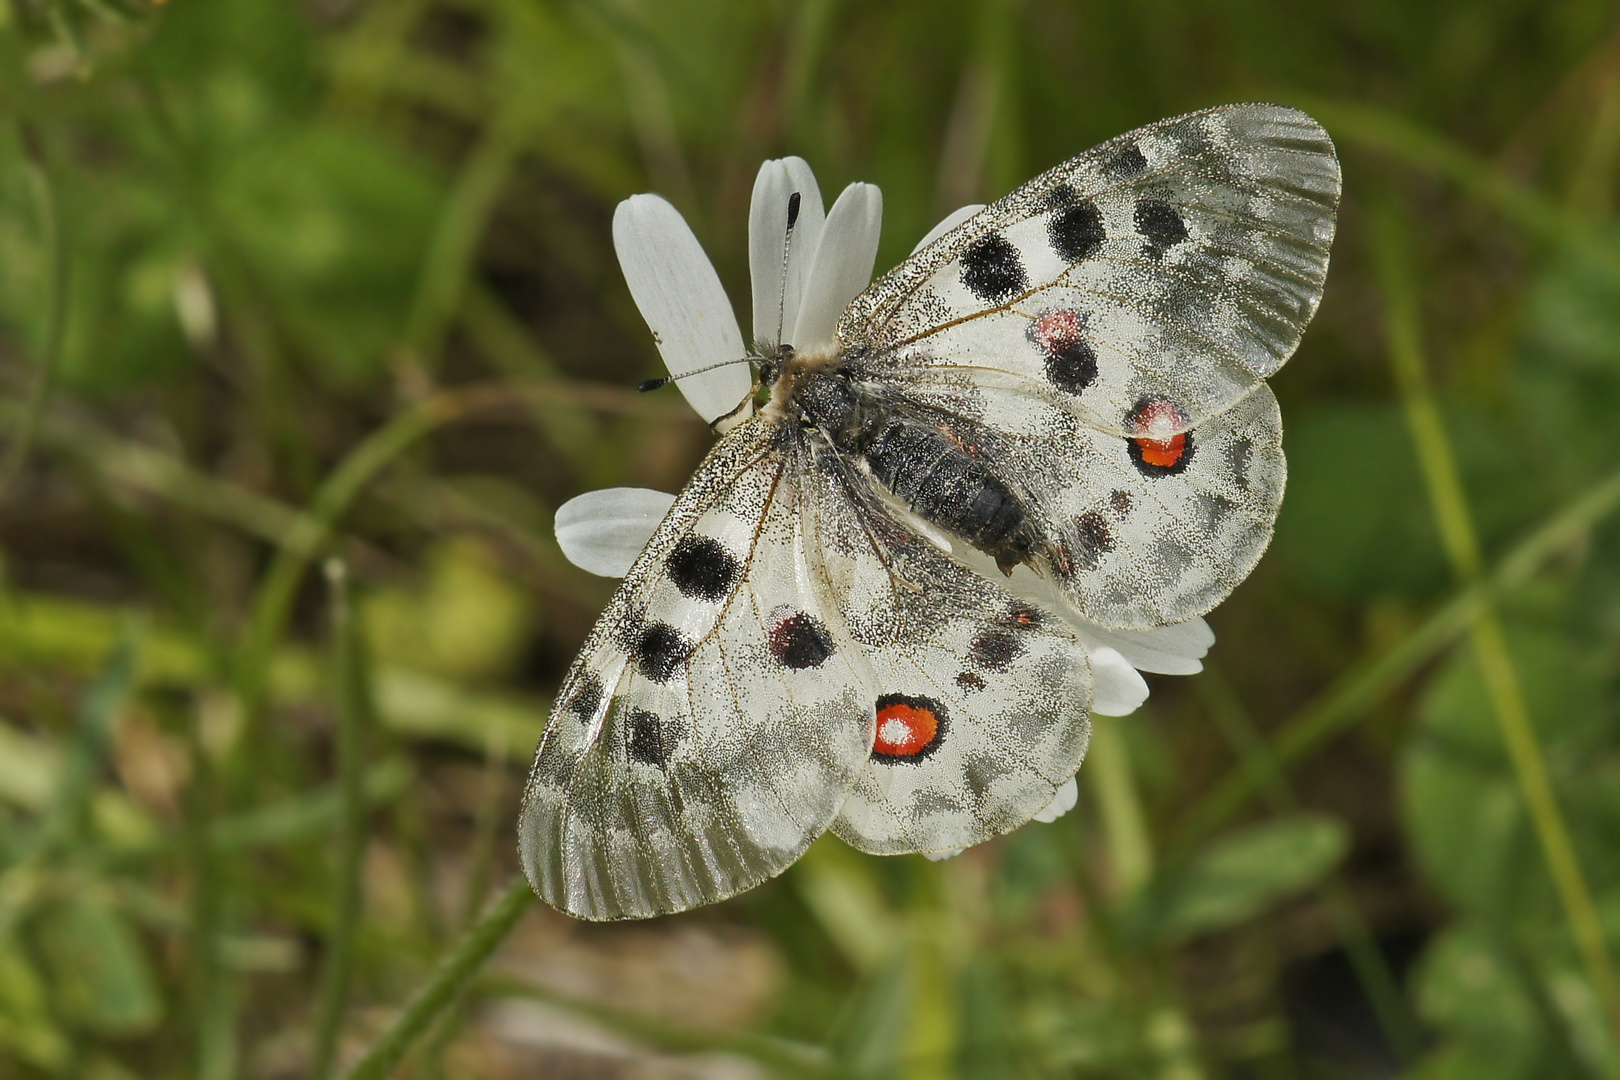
685	761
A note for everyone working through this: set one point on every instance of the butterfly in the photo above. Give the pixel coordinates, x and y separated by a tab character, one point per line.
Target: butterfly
888	600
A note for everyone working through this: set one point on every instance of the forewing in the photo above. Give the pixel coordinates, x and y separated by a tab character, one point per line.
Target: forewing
980	699
1181	261
685	760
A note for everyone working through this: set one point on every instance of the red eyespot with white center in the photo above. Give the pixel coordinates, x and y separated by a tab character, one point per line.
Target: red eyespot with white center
908	728
1159	445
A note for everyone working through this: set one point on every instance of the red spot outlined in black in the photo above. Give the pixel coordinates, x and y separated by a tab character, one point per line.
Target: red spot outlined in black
1159	445
908	729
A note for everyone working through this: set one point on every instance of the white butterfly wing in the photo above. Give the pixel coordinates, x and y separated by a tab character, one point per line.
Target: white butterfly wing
792	653
1132	545
1101	335
1181	260
694	751
981	700
724	710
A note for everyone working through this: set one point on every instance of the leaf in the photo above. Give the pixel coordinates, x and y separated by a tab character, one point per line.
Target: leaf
97	968
26	1027
1461	803
339	223
1357	521
1236	878
1512	1013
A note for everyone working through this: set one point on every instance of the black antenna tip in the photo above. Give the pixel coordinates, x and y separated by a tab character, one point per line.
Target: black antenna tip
793	209
653	384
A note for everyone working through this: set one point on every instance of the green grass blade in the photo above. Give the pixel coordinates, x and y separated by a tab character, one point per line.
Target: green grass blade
1455	522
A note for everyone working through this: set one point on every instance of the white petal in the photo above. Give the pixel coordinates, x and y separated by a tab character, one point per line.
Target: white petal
1061	803
603	531
681	298
1166	650
1116	687
941	856
842	266
952	220
767	233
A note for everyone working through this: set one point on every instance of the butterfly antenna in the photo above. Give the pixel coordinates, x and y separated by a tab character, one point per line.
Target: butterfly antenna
794	201
653	384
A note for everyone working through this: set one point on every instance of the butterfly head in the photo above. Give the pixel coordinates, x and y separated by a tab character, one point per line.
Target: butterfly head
771	360
793	378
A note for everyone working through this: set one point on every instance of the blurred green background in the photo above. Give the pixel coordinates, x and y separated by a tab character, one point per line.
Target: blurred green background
309	318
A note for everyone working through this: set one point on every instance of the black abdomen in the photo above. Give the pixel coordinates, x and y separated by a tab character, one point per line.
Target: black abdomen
943	484
923	465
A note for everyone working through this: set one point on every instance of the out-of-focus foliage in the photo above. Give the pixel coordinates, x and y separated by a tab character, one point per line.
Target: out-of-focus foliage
309	318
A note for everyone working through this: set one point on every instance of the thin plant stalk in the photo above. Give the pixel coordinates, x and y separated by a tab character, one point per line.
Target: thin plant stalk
1348	699
57	259
454	972
212	1016
274	600
1449	502
1119	805
354	711
1372	971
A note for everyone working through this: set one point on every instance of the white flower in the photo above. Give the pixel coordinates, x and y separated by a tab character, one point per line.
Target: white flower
828	262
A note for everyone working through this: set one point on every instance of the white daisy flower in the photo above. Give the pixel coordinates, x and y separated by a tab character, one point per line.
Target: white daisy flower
828	263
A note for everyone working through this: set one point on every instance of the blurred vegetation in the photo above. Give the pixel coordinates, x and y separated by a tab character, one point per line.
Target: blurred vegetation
309	318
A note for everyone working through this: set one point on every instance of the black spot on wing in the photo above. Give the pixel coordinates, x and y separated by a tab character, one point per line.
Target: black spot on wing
1076	232
1070	361
1127	161
981	772
1060	196
995	649
1022	616
1072	366
586	698
1190	135
992	270
649	738
800	641
660	651
1092	539
1239	458
702	568
1159	224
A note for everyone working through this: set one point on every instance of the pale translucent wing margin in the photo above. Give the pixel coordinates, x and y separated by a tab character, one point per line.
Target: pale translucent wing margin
686	760
1009	681
1181	260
